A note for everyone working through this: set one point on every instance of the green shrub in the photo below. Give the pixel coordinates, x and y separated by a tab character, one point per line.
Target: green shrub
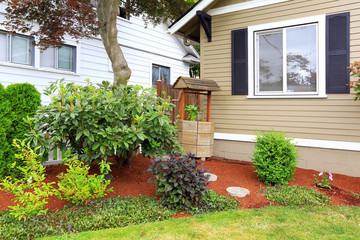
214	202
179	181
97	122
24	100
296	196
20	101
96	215
275	158
78	186
5	126
31	192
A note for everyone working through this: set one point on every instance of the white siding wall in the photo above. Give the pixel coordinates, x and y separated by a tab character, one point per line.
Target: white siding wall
142	47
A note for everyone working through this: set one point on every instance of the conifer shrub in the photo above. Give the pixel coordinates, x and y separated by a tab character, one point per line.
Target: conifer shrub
17	102
5	125
275	158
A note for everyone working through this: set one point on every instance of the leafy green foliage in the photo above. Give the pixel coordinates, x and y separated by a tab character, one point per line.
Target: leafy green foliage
214	202
356	195
17	102
31	192
96	215
192	111
275	158
78	186
107	120
296	196
179	181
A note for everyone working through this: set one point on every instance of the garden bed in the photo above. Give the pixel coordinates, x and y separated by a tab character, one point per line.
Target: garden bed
133	181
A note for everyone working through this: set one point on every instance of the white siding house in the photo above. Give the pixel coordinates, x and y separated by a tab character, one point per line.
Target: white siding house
148	51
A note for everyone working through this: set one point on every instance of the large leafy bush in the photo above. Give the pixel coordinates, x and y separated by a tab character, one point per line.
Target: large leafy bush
17	101
105	120
275	158
179	181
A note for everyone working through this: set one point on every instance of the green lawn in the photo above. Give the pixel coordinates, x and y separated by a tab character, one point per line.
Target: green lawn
264	223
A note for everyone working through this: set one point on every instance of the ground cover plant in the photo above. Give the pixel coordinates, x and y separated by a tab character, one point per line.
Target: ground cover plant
275	158
296	196
264	223
179	181
100	214
103	121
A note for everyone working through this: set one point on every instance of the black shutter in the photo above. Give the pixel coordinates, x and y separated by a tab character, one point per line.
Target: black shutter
337	53
239	62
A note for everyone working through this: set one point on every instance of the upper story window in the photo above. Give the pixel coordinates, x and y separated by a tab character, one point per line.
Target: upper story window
122	11
16	49
287	58
160	73
63	58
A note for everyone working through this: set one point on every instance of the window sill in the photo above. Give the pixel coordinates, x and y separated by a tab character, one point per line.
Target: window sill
14	65
297	96
123	19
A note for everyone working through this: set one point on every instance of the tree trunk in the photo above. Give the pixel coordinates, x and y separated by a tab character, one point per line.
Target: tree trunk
107	16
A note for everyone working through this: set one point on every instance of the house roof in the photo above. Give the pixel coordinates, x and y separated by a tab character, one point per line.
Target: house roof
188	24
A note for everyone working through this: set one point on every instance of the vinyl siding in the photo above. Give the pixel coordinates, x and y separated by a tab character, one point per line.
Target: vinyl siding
141	46
334	118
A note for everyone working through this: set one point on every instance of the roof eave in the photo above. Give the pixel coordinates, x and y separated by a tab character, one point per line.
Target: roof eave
188	16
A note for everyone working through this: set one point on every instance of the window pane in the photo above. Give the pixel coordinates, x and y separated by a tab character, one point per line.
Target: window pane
270	72
21	50
301	59
155	75
165	74
3	49
66	58
47	58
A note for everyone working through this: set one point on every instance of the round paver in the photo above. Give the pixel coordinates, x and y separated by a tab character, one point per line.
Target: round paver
238	191
211	177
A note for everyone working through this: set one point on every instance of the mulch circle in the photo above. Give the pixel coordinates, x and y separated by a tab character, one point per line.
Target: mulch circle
133	181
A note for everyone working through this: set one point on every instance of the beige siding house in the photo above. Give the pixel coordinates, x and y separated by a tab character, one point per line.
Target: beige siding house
281	64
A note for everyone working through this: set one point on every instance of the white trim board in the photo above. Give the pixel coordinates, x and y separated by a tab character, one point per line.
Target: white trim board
300	142
242	6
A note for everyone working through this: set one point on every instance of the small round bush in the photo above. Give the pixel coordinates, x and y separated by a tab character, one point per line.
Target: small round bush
275	158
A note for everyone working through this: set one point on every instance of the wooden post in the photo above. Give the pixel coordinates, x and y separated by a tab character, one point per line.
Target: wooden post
208	110
182	104
158	88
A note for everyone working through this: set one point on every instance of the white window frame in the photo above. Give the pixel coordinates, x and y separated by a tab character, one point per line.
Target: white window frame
9	49
320	20
56	59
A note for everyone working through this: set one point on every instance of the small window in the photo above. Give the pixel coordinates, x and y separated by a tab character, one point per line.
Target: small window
62	58
160	73
123	13
17	49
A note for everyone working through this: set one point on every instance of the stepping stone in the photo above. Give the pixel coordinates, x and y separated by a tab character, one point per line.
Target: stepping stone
211	177
238	191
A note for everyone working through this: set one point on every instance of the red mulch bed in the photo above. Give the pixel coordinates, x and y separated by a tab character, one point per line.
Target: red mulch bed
133	181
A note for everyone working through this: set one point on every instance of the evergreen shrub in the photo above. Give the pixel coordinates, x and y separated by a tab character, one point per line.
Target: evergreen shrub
17	102
275	158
